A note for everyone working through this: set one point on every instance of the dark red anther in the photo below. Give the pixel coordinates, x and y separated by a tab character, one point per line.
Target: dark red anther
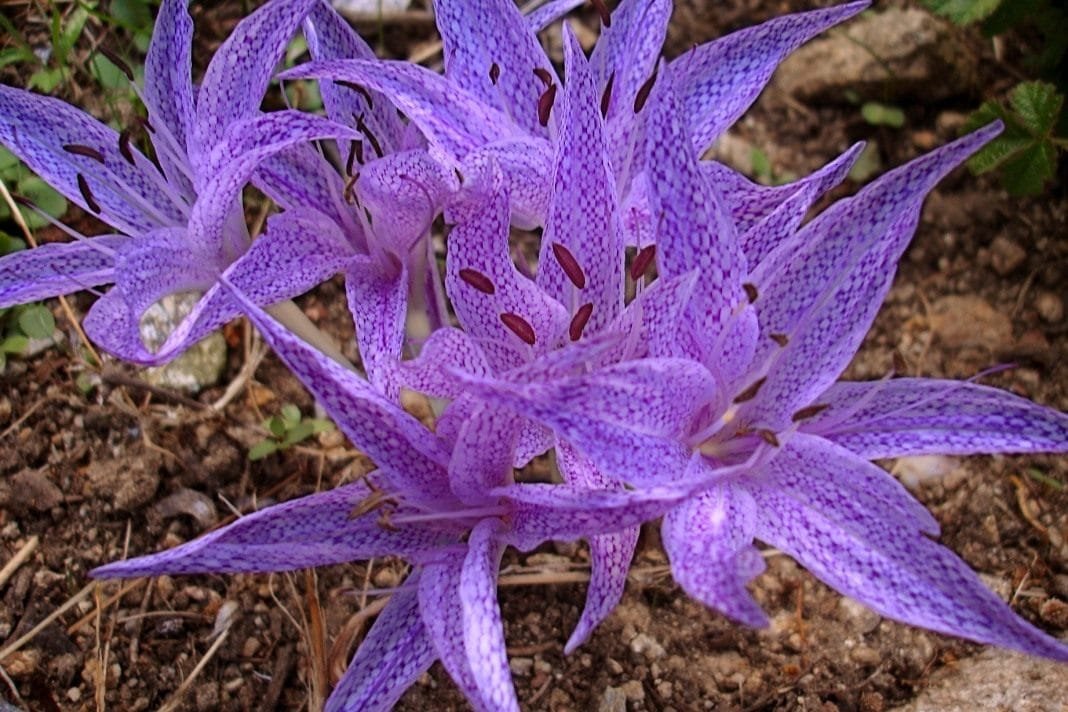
780	339
544	75
145	124
362	128
349	194
751	392
809	412
459	175
578	322
117	61
602	10
545	104
87	195
370	220
768	437
361	90
751	292
519	326
569	265
477	280
606	97
124	147
641	262
643	93
79	150
351	159
495	72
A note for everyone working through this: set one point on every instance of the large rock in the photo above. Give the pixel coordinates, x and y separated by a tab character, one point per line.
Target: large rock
895	54
196	369
995	680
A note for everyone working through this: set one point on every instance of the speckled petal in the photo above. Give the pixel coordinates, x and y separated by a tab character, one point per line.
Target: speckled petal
454	121
483	628
709	540
316	530
393	654
301	177
526	166
483	454
610	554
719	80
897	572
823	287
583	213
410	457
480	33
446	350
921	416
132	198
168	89
237	77
54	269
378	301
550	12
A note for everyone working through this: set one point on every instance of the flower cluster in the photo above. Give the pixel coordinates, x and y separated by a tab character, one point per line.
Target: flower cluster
677	342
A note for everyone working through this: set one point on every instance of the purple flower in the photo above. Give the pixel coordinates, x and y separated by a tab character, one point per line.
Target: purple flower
448	505
777	450
177	213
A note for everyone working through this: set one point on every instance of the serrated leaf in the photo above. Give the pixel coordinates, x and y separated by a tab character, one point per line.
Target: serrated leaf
14	344
1027	172
291	414
963	12
1038	105
36	321
997	152
262	449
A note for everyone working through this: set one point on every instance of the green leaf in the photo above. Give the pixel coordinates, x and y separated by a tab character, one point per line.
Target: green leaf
44	197
321	425
109	76
878	114
3	361
963	12
262	449
46	79
1028	171
297	433
14	344
995	153
36	321
277	426
133	15
291	414
1038	105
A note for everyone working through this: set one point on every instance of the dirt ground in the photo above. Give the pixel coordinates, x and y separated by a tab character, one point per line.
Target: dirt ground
121	469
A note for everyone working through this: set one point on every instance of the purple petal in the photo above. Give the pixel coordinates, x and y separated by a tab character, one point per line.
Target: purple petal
403	193
237	77
478	34
443	614
550	12
922	416
146	270
297	251
317	530
168	88
897	572
378	301
409	455
659	309
132	198
232	163
719	80
583	215
709	540
54	269
822	288
695	231
610	554
393	654
331	37
483	629
480	243
526	166
299	177
453	120
483	454
446	350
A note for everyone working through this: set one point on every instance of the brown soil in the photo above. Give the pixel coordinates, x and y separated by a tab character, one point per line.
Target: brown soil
122	470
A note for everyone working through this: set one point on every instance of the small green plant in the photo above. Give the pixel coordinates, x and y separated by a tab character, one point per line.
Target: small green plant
21	323
1027	151
878	114
287	429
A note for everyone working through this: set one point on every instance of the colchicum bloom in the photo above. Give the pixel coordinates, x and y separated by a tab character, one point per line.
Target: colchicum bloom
693	380
178	213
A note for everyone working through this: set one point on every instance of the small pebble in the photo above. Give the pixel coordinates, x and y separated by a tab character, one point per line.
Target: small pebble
74	694
1006	255
633	690
613	700
1050	307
